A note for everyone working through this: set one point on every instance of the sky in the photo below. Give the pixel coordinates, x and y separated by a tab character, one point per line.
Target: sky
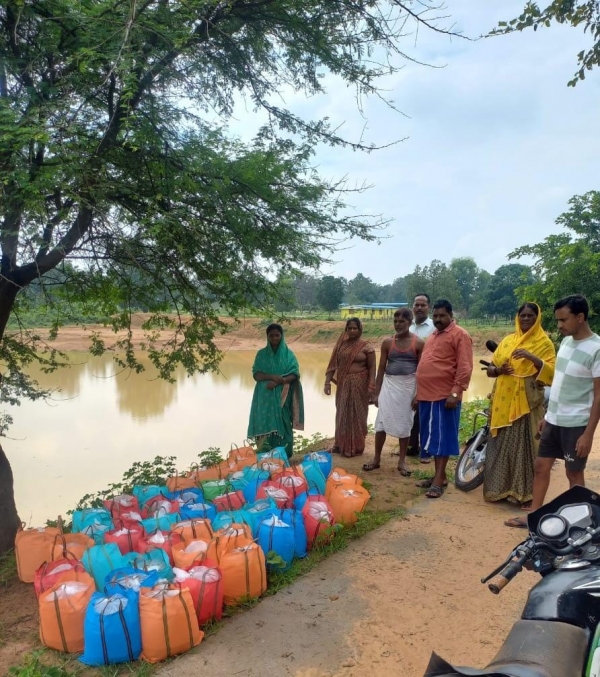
495	143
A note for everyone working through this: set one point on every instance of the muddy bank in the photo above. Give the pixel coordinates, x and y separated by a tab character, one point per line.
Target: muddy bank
249	334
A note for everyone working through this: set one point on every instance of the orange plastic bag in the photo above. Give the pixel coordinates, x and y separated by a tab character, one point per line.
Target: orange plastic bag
62	612
71	545
347	501
189	554
181	482
225	540
33	547
244	574
169	622
194	529
243	457
339	477
205	474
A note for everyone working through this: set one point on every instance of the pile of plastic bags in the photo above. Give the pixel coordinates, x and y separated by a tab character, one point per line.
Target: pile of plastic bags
139	577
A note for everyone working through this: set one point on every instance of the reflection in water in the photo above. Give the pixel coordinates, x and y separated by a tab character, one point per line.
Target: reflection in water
104	419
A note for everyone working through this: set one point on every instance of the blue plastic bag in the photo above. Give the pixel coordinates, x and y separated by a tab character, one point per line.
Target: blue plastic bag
324	459
254	478
296	521
154	561
162	523
89	516
274	535
111	629
277	452
260	510
128	578
101	560
314	476
144	493
187	496
202	510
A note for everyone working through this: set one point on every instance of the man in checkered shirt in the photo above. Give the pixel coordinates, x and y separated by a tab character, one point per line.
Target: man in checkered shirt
573	412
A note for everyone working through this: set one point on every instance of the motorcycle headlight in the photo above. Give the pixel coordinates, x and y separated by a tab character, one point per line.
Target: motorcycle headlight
553	527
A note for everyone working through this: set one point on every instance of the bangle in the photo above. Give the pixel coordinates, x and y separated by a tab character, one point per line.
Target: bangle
327	383
496	371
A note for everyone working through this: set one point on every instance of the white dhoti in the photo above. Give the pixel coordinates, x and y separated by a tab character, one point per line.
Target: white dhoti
395	414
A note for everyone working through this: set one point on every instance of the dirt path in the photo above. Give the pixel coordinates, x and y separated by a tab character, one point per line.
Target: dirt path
382	605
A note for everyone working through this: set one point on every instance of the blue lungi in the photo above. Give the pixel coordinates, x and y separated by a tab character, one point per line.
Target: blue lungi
439	428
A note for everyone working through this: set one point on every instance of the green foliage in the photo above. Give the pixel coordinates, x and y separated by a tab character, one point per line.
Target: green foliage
470	418
8	568
32	666
361	289
577	13
304	445
504	291
330	293
569	262
437	280
212	456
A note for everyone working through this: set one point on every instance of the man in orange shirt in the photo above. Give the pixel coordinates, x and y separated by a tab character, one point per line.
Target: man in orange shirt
443	375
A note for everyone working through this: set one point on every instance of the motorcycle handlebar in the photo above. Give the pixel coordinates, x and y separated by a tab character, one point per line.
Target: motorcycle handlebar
500	581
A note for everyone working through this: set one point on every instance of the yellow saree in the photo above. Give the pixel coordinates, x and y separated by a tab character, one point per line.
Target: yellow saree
510	400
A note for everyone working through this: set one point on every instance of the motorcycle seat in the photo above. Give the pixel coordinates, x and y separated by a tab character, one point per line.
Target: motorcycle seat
532	649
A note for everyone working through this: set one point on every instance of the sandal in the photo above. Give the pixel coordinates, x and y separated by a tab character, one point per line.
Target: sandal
435	491
526	507
404	471
425	461
425	484
367	467
516	523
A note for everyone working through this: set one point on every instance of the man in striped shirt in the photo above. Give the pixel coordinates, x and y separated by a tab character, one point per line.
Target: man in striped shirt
573	412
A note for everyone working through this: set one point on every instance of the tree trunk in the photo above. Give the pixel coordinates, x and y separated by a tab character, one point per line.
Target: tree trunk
9	518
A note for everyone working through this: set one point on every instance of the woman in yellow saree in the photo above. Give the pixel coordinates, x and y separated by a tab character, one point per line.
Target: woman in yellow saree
522	365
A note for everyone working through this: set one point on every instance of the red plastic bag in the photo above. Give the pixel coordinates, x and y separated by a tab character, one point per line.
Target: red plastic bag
50	573
127	536
233	500
205	583
281	495
318	520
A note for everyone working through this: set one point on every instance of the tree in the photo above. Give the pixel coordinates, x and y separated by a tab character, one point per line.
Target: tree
577	13
437	280
361	289
330	293
502	293
467	276
478	309
569	262
306	291
107	158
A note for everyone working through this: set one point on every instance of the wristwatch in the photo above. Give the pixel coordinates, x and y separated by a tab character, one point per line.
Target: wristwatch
454	395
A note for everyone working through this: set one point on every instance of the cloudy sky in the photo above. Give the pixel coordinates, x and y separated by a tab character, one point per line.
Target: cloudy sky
496	144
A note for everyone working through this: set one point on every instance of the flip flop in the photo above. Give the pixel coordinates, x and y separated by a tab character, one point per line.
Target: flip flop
367	467
425	461
405	472
435	491
425	484
516	523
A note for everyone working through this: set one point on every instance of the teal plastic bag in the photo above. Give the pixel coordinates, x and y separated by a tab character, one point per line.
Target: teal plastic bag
259	511
278	452
154	561
144	493
101	560
88	516
162	523
229	517
314	476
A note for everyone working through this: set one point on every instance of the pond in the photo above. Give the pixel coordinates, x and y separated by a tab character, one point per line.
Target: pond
102	421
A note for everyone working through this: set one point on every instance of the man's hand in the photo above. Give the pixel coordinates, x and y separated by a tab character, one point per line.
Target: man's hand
415	404
583	445
451	402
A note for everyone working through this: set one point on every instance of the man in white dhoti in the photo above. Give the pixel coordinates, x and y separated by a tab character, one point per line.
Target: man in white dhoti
395	388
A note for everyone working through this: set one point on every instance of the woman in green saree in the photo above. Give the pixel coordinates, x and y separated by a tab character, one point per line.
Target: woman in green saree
277	404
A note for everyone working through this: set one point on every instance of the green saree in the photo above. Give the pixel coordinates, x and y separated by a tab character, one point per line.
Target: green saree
274	414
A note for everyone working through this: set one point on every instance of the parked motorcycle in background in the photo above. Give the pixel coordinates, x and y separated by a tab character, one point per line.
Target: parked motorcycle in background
559	631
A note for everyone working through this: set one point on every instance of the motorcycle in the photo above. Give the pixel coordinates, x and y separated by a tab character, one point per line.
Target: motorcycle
469	471
468	474
559	631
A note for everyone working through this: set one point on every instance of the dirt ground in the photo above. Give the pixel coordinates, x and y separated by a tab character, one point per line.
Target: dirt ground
382	605
249	334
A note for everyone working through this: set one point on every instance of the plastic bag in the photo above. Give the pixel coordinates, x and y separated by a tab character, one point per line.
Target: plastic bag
205	583
58	571
339	477
191	511
127	539
111	630
187	555
347	501
318	520
168	621
152	562
191	530
295	519
101	560
62	612
273	490
277	536
128	578
324	459
244	574
71	545
33	547
232	500
84	518
163	540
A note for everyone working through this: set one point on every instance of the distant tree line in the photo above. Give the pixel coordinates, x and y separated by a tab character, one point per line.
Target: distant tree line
474	292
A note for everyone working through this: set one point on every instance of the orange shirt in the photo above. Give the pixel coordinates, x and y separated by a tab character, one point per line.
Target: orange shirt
446	364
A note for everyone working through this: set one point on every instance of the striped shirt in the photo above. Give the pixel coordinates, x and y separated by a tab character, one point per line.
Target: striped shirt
572	392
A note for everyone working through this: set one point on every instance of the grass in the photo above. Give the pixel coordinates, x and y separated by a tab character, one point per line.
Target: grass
8	568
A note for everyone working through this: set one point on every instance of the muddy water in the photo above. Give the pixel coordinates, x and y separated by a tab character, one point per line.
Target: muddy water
100	421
